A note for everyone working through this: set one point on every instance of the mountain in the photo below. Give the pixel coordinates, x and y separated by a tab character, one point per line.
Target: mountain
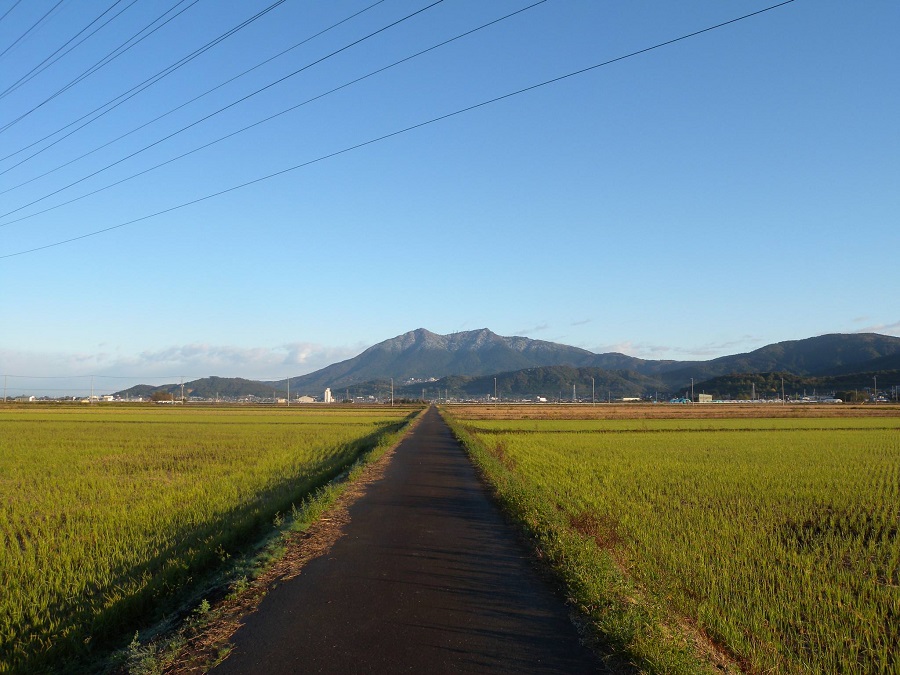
207	387
551	382
421	356
849	387
836	353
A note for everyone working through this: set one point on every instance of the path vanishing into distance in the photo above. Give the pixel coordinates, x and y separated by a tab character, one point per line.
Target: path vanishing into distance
427	578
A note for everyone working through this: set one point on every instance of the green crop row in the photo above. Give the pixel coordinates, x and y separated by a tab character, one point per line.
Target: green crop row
776	539
107	516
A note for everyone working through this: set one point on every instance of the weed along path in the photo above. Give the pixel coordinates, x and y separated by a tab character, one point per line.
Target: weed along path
427	578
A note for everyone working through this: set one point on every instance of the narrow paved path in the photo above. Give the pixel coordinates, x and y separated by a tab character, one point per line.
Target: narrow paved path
427	579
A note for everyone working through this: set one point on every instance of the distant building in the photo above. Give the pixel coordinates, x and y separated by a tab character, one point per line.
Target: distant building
305	399
704	398
328	397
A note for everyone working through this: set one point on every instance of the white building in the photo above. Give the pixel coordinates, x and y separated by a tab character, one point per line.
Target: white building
328	397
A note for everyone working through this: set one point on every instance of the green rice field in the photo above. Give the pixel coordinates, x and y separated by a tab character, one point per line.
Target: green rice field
109	514
775	539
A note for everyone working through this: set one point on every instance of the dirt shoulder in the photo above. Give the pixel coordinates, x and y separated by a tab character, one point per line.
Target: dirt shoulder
206	642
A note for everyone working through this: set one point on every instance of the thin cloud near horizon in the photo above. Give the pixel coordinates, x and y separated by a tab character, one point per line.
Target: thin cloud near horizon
192	361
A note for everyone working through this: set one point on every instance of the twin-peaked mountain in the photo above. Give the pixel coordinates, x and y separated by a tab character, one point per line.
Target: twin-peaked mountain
468	361
421	354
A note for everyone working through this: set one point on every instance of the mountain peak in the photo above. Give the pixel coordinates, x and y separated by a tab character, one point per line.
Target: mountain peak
421	355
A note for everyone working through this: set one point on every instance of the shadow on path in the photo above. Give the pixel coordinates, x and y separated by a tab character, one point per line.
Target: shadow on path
428	578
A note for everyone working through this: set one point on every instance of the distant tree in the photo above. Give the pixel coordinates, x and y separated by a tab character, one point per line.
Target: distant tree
852	396
161	395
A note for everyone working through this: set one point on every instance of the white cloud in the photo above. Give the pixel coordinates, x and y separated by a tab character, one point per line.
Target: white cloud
710	350
883	328
71	372
534	329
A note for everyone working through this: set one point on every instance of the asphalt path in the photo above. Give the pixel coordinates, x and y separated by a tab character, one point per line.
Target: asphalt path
427	578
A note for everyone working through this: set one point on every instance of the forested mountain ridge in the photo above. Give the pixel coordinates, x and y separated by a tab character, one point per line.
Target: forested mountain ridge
422	356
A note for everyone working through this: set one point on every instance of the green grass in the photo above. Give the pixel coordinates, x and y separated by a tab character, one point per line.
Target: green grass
108	516
776	538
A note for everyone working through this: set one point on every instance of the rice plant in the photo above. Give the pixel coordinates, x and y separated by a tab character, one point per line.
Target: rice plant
776	538
108	515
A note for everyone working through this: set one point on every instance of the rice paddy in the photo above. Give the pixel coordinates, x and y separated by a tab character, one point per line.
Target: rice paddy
108	515
771	539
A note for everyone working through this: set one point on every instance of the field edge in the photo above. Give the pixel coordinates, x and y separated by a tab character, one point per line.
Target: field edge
199	639
629	632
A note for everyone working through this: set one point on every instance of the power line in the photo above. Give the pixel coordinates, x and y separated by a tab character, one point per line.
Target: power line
33	26
272	117
14	5
134	91
413	127
108	377
43	65
224	108
179	107
106	60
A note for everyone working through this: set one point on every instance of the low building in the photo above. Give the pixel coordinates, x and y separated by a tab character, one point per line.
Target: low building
704	398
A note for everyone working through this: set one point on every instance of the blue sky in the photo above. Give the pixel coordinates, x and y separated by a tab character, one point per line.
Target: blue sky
725	192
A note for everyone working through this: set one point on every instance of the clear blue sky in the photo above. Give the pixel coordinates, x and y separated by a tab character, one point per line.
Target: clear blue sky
735	189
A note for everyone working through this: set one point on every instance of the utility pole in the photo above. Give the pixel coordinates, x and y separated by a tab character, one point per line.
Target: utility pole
495	390
92	390
782	391
4	388
289	391
574	399
392	392
182	390
875	395
692	390
593	402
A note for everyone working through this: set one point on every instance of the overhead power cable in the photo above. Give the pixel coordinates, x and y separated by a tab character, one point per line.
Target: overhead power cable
134	91
378	139
6	13
109	58
224	108
33	26
43	65
274	116
186	103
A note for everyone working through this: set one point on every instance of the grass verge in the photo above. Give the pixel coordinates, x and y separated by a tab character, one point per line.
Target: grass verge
631	631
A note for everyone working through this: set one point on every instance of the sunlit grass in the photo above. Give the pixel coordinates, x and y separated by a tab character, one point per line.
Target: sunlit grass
107	514
777	538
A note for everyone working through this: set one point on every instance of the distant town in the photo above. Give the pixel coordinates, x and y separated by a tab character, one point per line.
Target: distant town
328	398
